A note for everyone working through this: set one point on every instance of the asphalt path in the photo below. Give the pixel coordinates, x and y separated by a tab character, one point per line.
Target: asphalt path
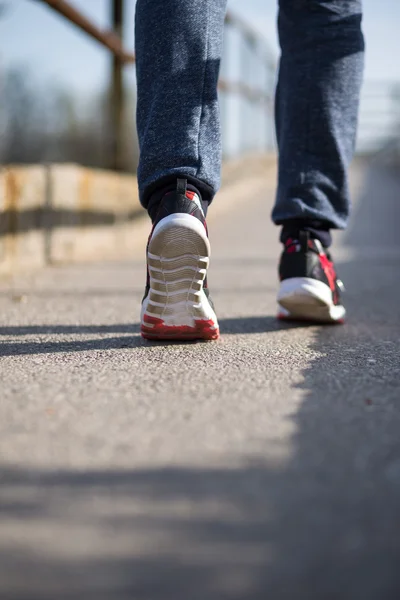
262	466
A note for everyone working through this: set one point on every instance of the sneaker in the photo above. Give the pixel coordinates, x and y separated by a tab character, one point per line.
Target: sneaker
310	289
176	304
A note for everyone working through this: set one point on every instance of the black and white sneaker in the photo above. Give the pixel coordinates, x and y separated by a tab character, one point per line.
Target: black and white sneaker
176	304
310	289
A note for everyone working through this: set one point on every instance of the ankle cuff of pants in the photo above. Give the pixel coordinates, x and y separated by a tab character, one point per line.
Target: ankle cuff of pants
206	191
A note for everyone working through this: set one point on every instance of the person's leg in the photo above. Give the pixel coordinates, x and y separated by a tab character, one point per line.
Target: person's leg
317	102
316	109
178	53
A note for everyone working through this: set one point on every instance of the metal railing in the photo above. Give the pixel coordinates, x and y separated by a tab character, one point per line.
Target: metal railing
252	86
379	122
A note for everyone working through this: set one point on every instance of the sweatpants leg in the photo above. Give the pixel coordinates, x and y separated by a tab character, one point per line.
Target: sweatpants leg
317	103
178	51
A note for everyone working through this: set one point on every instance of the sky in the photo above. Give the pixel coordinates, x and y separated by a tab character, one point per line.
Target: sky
32	34
57	54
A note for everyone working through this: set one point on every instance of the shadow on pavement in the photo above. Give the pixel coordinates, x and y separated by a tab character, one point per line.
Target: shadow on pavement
129	335
69	329
323	524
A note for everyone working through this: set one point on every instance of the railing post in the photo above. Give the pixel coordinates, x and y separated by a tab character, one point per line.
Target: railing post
117	96
244	112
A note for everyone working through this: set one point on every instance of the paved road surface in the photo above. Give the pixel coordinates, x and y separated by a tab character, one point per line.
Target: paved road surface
266	465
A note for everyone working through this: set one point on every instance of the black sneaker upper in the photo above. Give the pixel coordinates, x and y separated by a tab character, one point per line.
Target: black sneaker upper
304	256
180	200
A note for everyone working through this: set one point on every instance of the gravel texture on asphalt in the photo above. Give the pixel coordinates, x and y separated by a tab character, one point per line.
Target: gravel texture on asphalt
265	465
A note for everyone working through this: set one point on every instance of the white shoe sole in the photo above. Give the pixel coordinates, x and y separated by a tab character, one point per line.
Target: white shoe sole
306	299
176	306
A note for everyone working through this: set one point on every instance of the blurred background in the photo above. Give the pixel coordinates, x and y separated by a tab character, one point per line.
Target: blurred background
59	101
267	466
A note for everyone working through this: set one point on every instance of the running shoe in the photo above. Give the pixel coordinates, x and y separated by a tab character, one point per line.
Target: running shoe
177	304
310	289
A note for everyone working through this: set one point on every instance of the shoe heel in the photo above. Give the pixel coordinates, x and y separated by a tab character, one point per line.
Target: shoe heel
178	258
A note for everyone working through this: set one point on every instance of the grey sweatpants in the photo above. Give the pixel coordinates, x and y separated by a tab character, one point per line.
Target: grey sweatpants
179	48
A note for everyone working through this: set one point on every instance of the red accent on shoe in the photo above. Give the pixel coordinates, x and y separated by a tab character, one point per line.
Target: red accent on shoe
203	330
329	271
290	246
190	195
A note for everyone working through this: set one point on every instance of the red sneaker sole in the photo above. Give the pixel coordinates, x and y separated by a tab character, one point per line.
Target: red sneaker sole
203	330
